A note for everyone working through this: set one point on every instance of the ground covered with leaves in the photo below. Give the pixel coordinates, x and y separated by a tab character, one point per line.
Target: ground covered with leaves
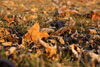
50	33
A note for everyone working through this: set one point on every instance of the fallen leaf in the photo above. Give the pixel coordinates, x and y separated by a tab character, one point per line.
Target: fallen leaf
95	17
7	32
21	9
9	19
7	53
61	40
75	50
2	40
53	41
50	50
92	31
32	17
7	3
7	43
48	30
43	34
34	10
12	50
3	32
34	33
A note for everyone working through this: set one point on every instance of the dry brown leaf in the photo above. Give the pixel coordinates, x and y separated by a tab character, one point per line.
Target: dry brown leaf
21	46
50	50
10	3
43	34
25	42
92	31
65	12
7	53
48	30
96	12
9	19
0	14
39	52
53	41
95	17
34	34
63	29
94	56
75	50
21	9
34	10
62	10
61	40
96	37
7	32
2	40
32	17
7	44
3	32
11	38
73	11
12	50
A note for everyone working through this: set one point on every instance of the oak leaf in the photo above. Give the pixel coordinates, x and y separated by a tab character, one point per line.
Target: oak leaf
34	33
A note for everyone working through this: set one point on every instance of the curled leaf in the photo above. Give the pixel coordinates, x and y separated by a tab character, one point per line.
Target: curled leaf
75	50
61	40
50	50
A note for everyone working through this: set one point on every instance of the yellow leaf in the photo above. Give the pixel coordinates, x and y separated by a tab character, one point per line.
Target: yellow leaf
7	44
2	40
51	51
45	12
43	34
12	50
34	34
33	17
92	31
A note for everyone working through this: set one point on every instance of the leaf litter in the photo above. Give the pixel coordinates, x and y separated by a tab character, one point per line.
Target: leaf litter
60	34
